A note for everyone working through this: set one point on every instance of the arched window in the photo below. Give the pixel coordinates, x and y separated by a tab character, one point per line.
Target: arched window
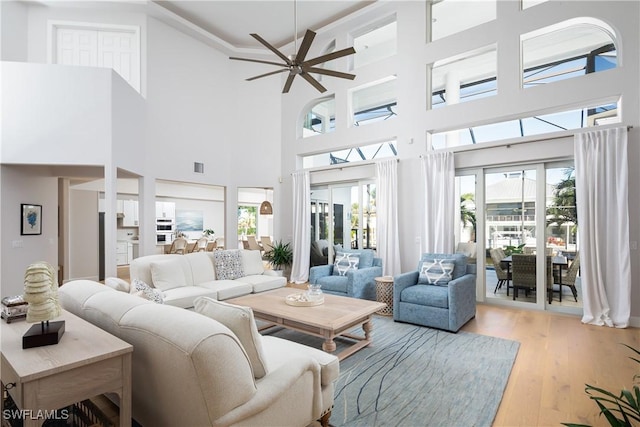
566	50
319	117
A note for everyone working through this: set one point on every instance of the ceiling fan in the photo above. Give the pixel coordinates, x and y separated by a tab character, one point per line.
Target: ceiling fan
296	64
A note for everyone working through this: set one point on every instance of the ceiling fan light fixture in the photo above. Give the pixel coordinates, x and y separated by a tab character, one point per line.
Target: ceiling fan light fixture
296	64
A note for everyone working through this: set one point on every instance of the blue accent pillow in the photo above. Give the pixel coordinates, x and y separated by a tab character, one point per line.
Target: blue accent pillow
436	272
345	261
460	261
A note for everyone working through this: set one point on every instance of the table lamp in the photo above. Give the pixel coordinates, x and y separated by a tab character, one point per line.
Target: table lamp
41	292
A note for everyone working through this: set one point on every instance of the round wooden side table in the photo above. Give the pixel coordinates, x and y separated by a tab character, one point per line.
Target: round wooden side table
384	293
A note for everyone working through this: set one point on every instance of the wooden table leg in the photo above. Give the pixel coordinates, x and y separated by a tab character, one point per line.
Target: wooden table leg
329	345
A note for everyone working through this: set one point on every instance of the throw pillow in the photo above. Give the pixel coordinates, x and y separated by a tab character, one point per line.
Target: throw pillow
167	275
228	264
345	261
242	323
117	284
251	263
147	292
436	272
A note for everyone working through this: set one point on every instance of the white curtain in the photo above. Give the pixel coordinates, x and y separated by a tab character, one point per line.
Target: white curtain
301	227
438	176
602	204
387	242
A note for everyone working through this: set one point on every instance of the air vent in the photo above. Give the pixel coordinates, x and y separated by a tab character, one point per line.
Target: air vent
198	167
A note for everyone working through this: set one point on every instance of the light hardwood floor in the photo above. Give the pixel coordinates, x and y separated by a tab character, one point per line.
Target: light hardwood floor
558	355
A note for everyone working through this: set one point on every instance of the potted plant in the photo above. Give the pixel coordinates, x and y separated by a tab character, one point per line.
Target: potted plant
280	256
208	233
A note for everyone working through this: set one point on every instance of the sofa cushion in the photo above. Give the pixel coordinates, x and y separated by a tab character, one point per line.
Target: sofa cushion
334	283
251	262
428	295
345	261
228	264
147	292
167	274
201	267
437	272
242	323
366	256
261	283
184	296
226	289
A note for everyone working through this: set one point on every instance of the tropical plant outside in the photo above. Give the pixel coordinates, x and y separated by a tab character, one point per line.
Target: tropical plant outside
468	216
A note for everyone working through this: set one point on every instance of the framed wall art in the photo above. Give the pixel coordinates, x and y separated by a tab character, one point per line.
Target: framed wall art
30	219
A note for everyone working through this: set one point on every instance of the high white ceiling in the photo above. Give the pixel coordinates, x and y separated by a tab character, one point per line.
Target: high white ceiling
273	20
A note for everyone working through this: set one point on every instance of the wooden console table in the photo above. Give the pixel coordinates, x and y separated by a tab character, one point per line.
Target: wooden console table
85	363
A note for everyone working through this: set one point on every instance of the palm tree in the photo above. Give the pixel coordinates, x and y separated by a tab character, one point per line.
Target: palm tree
468	216
563	208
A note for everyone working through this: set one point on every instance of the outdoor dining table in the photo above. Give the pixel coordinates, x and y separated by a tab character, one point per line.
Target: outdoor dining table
559	262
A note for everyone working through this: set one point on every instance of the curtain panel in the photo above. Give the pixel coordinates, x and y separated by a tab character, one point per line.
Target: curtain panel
387	242
301	226
438	177
602	204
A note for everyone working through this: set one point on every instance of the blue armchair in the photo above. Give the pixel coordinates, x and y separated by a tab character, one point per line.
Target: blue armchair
349	282
445	306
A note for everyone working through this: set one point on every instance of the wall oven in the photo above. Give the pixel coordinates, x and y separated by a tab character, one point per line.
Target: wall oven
164	238
165	225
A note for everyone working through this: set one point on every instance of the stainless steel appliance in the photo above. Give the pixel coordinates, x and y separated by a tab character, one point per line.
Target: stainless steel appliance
163	238
165	227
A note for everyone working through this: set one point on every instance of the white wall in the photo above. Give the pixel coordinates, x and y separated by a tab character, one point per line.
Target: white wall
13	21
26	184
83	242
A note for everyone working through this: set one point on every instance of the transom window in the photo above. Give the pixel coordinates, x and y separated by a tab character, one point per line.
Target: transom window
465	77
375	102
355	154
569	49
375	43
453	16
535	125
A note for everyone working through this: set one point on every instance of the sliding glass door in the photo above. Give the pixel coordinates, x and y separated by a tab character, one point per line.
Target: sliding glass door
342	216
522	225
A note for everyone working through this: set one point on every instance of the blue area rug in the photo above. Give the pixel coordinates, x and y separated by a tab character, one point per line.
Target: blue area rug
416	376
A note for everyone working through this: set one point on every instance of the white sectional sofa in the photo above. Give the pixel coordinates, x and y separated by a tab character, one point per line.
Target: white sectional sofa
220	275
191	370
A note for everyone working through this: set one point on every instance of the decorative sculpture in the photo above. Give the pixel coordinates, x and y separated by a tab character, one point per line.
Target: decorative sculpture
41	292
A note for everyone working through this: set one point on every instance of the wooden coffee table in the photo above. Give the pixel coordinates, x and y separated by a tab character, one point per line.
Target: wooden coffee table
333	318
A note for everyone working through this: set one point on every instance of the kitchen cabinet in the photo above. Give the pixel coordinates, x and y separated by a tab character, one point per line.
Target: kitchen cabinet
122	253
165	210
130	211
119	206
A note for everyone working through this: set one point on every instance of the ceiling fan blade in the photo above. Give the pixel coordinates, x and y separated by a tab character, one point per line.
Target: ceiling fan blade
271	48
304	47
313	82
259	61
329	73
330	56
287	84
267	74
